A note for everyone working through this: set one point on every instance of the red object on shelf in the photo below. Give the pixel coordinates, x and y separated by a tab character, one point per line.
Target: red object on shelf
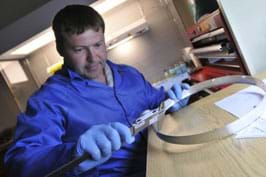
208	72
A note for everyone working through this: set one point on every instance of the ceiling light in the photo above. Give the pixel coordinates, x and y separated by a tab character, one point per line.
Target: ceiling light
34	43
103	6
47	36
120	42
126	33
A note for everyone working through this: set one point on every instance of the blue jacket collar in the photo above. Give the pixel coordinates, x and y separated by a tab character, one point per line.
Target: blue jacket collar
73	76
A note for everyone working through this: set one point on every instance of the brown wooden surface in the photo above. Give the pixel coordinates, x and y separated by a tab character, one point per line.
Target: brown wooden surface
229	157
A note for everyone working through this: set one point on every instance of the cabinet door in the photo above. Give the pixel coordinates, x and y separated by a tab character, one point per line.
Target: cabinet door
8	106
246	21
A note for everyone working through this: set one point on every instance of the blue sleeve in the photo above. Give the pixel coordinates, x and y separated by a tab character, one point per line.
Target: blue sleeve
154	96
38	147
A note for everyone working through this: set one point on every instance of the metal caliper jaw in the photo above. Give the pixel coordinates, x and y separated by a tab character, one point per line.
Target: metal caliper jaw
149	117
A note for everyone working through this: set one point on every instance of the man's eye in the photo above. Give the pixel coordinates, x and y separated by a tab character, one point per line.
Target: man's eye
78	50
98	44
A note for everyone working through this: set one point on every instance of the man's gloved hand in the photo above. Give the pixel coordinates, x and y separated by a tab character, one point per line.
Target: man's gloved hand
100	141
175	93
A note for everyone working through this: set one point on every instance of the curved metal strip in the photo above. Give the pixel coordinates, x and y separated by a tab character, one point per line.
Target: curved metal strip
228	129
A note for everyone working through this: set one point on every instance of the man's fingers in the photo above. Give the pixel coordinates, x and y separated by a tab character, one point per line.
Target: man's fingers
104	144
113	136
171	94
89	145
185	86
124	132
177	90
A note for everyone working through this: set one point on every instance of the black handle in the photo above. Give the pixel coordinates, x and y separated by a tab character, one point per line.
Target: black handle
68	166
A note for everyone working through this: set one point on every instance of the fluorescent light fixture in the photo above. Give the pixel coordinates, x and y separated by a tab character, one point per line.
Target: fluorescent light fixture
126	33
47	36
120	42
34	43
103	6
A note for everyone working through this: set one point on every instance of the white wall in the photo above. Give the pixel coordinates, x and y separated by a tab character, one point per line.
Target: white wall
157	49
247	21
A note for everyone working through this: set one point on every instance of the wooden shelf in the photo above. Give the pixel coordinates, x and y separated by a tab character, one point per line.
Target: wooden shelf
214	48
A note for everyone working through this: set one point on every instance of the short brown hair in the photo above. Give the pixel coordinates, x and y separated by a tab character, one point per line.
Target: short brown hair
75	19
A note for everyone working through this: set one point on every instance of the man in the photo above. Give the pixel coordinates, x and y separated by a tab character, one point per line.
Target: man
87	106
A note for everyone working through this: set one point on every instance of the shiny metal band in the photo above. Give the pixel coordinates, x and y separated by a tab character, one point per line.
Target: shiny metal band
228	129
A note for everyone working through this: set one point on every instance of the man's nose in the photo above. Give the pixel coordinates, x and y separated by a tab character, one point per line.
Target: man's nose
91	54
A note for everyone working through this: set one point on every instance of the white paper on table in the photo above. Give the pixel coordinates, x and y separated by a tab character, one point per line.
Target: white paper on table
240	104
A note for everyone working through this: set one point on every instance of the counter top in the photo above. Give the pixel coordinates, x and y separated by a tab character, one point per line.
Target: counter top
229	157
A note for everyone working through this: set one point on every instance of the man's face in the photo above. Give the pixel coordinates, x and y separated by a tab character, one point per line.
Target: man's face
86	53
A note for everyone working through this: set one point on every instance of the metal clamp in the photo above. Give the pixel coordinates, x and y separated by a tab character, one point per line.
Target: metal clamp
149	117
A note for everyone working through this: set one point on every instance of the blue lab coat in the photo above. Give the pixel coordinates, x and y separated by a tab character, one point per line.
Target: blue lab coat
65	107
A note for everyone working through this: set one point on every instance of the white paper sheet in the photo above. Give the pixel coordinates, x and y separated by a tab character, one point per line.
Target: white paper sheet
241	103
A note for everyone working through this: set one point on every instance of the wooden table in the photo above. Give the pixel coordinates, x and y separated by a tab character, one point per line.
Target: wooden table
229	157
